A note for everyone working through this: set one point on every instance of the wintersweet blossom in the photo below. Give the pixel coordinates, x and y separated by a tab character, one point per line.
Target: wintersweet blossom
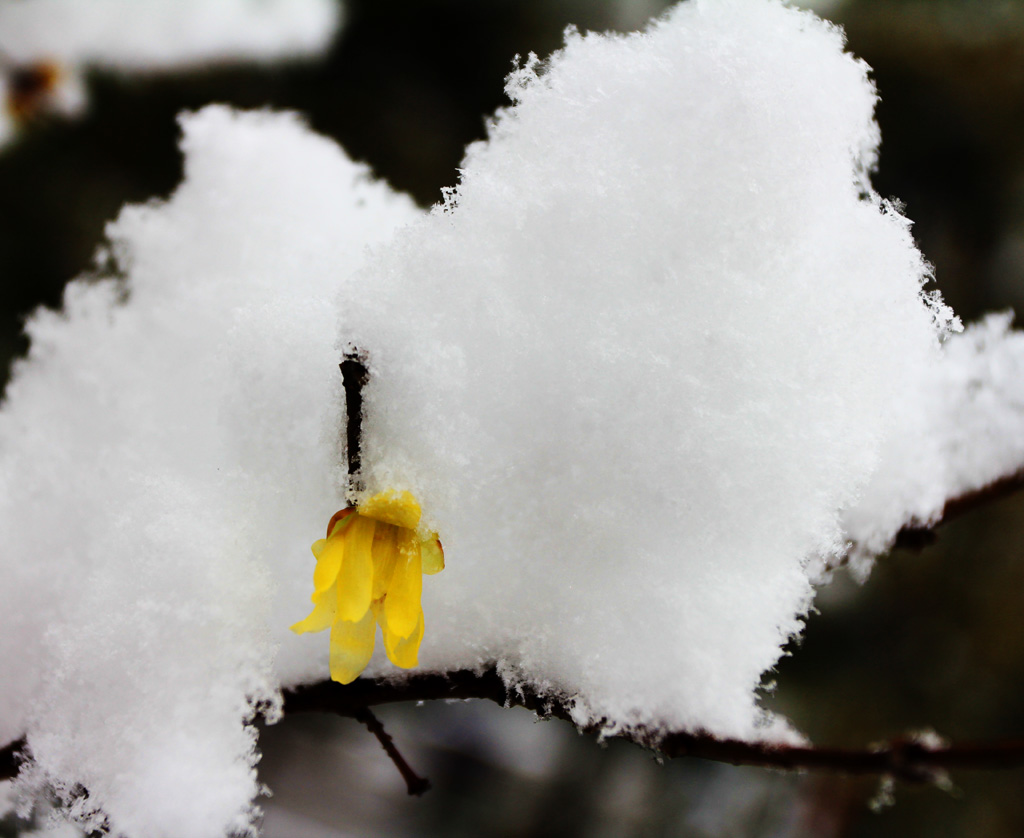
46	46
41	88
369	570
30	87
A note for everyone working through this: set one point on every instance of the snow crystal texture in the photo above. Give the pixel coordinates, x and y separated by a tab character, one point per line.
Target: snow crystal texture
641	359
959	428
166	444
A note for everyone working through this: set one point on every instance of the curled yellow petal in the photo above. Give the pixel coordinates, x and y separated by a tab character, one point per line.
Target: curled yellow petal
433	555
404	651
324	609
355	581
391	507
352	647
402	603
328	564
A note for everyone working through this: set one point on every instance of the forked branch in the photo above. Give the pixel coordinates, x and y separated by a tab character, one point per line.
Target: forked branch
908	758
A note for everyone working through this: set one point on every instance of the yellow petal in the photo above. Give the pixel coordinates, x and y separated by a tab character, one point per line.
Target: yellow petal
402	603
433	555
385	557
355	581
321	616
352	647
328	563
391	507
318	547
404	651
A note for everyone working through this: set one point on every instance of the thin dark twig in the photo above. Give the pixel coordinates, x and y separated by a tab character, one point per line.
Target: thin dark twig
354	376
905	758
11	757
415	784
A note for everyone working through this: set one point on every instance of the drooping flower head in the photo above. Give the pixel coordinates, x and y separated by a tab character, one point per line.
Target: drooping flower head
369	570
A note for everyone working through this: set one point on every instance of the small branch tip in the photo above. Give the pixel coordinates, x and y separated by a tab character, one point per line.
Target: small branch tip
415	784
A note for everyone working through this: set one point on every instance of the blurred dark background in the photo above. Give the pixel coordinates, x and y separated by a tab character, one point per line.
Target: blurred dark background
932	640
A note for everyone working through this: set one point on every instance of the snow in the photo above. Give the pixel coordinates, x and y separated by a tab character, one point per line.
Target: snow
643	357
152	34
982	429
66	37
659	354
962	428
163	449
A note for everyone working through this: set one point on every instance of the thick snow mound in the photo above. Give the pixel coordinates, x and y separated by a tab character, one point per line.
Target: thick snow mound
167	454
643	357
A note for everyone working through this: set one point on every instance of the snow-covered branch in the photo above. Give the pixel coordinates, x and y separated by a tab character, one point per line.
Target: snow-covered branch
908	758
916	536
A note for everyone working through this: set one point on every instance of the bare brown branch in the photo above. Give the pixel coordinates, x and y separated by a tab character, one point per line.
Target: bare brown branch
906	758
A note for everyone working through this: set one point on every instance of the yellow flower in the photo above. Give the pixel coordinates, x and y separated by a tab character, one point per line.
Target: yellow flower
369	570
